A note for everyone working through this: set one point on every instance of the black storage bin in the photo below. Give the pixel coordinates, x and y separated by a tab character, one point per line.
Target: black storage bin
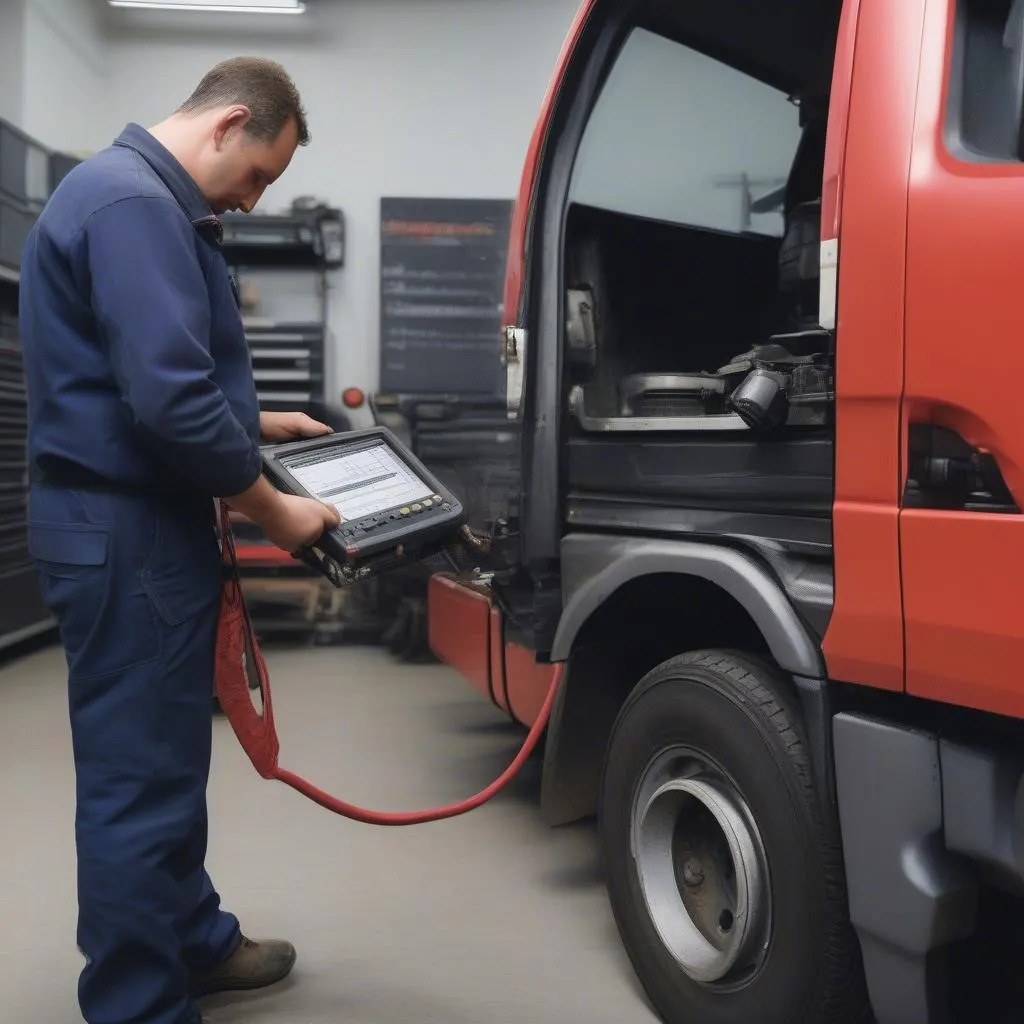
24	166
61	166
288	364
13	162
303	238
472	447
16	221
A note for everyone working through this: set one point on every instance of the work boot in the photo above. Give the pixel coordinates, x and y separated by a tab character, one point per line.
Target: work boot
253	965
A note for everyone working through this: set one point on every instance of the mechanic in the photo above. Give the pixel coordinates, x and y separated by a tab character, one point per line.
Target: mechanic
141	412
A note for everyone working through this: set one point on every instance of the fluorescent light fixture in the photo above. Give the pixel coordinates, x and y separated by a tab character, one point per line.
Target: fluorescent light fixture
216	6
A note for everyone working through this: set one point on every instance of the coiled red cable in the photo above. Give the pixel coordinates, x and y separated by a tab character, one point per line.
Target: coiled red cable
238	652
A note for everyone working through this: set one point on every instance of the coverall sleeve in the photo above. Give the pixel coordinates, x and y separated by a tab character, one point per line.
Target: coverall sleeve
151	304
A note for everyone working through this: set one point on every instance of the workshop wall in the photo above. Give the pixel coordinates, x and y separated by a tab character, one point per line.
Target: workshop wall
12	53
64	73
53	81
405	97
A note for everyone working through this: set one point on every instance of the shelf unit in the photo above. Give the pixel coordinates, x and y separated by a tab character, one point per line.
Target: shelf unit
288	354
29	172
288	363
293	253
22	612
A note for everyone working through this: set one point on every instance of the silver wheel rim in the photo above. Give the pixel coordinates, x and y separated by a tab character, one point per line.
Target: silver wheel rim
702	868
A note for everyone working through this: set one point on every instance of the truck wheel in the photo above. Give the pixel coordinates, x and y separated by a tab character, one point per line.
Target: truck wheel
726	885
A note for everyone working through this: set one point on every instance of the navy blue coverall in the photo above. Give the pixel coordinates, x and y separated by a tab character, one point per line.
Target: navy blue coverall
141	409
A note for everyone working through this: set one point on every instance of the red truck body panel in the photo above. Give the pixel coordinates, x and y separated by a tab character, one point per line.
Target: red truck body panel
963	588
466	632
926	602
864	643
460	631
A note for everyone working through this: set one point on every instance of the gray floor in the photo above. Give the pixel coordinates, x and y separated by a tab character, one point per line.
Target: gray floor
491	918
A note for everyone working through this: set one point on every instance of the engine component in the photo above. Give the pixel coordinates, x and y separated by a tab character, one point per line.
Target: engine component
788	380
641	424
672	394
761	400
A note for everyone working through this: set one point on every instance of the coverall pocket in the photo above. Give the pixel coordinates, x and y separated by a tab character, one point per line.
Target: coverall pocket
105	618
182	575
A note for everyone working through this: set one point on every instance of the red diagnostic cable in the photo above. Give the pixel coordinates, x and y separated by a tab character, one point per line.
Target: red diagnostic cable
348	810
238	652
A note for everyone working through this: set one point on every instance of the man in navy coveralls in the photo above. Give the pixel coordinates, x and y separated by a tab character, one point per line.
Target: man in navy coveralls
142	409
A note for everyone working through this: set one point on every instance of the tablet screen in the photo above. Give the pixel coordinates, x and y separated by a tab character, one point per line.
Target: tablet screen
358	483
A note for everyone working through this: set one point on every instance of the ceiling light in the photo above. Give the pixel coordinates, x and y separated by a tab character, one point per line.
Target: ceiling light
216	6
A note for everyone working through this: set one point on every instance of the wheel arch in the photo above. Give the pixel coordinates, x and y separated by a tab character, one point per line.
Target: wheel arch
631	603
595	567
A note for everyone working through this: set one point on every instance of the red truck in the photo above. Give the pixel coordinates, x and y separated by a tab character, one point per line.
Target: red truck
770	516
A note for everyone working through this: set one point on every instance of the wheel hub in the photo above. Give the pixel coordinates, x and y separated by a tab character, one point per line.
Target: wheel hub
702	870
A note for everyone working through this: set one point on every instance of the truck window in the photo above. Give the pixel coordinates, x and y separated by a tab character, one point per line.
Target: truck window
680	137
692	275
987	81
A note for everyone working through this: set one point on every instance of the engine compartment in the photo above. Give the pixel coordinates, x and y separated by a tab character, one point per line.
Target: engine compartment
666	319
676	328
695	365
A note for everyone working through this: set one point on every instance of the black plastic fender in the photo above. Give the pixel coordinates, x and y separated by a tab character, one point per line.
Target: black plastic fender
594	567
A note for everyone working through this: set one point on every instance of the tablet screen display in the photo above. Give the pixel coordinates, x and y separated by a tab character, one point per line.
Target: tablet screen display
358	483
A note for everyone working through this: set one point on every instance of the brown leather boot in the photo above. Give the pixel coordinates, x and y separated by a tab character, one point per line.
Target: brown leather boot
253	965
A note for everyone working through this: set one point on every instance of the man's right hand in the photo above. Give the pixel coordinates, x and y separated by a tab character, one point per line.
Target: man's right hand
299	522
289	522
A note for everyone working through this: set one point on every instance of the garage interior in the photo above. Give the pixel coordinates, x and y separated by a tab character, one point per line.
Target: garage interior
492	916
676	292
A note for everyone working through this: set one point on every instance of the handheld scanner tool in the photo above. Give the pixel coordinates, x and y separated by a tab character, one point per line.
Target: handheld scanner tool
394	511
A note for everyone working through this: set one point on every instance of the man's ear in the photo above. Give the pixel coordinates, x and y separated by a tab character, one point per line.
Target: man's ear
231	121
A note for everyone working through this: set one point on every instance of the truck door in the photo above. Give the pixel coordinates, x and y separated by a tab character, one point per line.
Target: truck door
961	529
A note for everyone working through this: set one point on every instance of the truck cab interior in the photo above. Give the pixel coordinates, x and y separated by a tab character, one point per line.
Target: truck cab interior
695	369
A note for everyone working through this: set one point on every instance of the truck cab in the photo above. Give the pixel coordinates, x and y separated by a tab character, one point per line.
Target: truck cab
769	531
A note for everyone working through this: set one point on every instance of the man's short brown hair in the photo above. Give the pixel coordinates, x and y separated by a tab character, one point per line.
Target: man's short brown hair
259	84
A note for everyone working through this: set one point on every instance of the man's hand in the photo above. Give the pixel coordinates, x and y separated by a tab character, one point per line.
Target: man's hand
280	427
299	522
290	522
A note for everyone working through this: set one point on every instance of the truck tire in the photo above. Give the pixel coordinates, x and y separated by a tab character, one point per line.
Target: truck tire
726	884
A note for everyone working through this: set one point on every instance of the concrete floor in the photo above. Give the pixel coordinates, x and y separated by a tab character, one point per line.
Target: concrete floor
486	919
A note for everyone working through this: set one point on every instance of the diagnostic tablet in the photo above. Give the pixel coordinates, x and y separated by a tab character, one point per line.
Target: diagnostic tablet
393	509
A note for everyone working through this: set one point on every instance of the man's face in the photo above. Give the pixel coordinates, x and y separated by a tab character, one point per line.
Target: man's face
239	168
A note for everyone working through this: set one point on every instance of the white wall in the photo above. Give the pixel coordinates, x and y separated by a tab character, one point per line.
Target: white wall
405	97
63	71
12	51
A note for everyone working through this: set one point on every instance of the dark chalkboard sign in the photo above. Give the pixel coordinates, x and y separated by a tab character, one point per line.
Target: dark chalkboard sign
442	278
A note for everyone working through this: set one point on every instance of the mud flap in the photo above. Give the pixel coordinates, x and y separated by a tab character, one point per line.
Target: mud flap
909	896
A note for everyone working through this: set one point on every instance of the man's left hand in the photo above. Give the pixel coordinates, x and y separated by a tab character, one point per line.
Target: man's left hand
280	427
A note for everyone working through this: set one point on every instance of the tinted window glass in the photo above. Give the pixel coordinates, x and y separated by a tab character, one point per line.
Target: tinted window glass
680	137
